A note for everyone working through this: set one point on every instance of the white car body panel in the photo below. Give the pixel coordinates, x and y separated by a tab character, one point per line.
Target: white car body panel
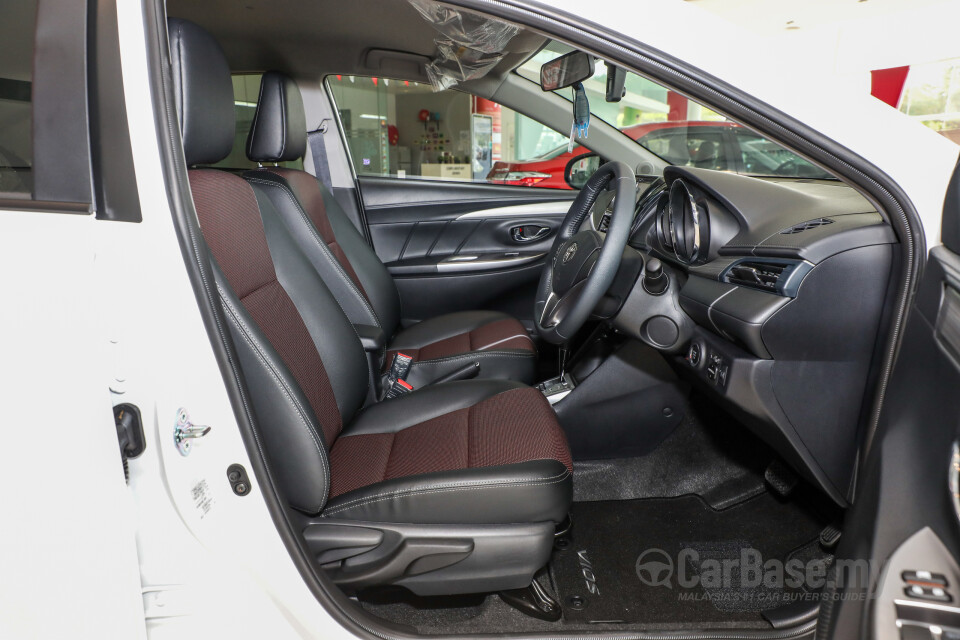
94	305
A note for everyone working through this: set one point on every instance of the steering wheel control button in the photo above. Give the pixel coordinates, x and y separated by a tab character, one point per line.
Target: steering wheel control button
655	281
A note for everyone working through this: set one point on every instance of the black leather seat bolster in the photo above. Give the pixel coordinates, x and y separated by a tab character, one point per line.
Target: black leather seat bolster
284	199
296	450
534	491
442	327
425	404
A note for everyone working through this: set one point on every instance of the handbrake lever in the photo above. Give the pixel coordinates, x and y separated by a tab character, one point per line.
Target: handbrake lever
471	370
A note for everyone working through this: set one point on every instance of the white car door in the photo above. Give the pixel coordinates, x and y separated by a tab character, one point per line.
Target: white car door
68	556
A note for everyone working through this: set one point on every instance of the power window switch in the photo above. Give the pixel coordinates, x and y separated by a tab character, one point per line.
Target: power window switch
925	577
931	594
915	632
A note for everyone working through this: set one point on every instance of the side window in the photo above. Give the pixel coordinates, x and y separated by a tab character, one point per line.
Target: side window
246	92
700	146
761	157
404	129
16	66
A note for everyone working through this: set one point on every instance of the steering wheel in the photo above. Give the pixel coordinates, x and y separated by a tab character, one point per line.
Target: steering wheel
583	263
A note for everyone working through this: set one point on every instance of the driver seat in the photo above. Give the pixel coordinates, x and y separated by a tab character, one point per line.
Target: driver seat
358	279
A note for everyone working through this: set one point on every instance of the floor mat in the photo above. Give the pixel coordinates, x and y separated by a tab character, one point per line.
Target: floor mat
666	560
708	453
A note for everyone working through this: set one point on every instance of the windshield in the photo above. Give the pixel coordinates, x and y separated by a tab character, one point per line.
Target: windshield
677	129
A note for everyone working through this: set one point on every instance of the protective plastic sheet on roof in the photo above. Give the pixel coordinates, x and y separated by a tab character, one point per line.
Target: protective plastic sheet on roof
469	45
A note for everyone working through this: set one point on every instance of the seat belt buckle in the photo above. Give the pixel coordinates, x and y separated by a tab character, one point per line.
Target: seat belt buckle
400	367
399	388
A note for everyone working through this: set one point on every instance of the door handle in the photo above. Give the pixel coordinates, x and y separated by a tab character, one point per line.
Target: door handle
528	232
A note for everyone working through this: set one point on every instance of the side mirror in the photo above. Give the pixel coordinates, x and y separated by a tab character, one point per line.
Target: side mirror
580	168
566	70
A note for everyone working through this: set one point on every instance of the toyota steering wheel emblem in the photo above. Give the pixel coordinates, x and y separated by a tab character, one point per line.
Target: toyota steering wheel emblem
569	253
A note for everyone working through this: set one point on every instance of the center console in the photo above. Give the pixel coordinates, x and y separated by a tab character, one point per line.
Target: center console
616	398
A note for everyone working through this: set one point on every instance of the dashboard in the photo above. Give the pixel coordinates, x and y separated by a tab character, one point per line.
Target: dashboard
777	291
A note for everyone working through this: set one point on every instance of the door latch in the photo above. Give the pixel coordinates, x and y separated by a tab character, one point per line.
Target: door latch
185	431
528	233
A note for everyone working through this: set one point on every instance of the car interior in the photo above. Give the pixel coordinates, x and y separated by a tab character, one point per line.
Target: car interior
489	407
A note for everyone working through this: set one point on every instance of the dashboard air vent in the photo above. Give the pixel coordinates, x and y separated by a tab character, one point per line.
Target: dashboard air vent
805	226
760	275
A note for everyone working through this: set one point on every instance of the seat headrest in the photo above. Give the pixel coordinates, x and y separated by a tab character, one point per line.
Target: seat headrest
279	129
203	91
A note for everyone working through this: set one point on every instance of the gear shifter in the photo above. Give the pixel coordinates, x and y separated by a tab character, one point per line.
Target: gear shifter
655	281
555	389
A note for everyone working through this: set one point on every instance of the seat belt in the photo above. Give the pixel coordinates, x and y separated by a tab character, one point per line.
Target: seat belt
318	151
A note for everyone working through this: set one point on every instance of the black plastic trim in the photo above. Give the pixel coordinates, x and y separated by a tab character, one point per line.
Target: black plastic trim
114	177
45	206
61	147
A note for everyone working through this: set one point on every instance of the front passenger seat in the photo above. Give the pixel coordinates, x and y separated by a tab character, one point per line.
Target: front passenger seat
454	488
361	283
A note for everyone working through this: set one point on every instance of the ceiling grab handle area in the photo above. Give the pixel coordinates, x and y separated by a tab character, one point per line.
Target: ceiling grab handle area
469	45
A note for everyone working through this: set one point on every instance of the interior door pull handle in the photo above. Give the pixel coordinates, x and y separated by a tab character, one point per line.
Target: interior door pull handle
528	232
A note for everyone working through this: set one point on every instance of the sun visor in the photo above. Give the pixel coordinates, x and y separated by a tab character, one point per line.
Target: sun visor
469	44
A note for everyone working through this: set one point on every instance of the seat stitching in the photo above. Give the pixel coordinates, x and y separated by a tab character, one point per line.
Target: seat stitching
183	84
470	422
477	354
485	484
501	341
283	120
244	331
323	245
256	119
420	493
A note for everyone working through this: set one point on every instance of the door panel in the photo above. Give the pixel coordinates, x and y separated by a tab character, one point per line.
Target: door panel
461	246
905	517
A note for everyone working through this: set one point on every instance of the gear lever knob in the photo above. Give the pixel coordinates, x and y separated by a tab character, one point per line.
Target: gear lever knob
655	281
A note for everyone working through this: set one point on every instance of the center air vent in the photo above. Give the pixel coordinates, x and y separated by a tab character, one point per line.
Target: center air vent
805	226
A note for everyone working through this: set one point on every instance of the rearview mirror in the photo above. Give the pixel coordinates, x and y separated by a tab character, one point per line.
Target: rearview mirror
566	70
580	168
